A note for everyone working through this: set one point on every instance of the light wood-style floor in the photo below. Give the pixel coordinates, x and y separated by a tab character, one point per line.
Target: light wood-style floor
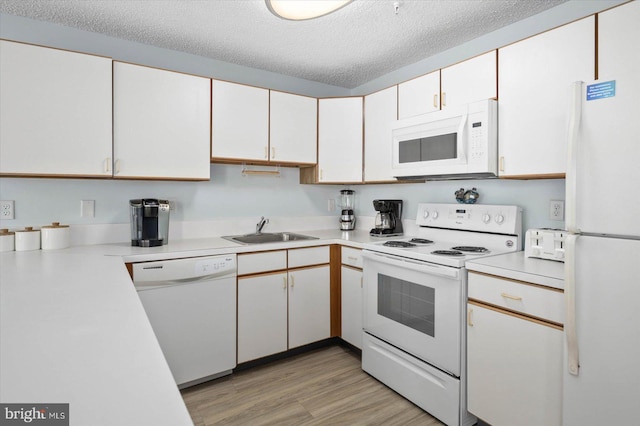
322	387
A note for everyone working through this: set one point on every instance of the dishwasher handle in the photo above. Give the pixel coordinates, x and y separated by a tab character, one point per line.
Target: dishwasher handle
142	285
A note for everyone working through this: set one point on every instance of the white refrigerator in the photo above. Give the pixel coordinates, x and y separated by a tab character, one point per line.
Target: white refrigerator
601	382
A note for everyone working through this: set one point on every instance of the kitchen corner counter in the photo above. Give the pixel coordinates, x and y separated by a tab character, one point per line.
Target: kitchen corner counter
516	266
73	329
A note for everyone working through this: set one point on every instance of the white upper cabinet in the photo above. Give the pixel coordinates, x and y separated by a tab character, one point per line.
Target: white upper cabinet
380	111
535	77
617	28
419	96
55	112
293	128
160	123
340	140
240	122
469	81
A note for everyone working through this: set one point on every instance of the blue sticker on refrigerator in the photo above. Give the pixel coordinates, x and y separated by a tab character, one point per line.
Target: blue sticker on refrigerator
605	89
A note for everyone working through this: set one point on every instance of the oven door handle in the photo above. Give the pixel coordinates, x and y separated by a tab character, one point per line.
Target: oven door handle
416	265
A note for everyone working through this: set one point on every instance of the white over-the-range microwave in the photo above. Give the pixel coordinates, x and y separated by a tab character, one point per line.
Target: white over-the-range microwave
456	143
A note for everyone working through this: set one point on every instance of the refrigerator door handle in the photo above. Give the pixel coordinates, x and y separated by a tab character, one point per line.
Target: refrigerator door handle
573	131
570	330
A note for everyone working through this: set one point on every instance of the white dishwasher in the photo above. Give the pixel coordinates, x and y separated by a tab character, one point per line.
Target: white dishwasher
191	304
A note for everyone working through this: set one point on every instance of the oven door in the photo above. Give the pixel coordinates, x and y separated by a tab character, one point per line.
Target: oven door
415	306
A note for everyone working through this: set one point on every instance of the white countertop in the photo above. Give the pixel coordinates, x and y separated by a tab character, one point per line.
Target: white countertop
73	330
518	267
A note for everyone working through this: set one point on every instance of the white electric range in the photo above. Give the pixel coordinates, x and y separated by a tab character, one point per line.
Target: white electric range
415	290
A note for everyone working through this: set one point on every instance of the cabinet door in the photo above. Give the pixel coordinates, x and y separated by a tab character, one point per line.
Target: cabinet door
351	306
240	122
535	76
380	111
160	123
309	306
469	81
55	112
419	96
514	369
293	128
262	316
616	27
340	140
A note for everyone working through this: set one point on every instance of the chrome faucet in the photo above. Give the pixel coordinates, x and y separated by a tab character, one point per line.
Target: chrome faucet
261	224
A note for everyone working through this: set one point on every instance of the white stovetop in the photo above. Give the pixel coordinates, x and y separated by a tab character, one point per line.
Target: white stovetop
446	240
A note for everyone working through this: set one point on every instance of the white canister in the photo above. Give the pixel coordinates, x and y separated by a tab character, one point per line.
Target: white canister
7	240
27	239
55	236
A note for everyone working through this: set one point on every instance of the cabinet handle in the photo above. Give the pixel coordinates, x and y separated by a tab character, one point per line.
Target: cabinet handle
502	164
284	283
117	167
321	174
469	318
273	152
508	296
444	99
292	281
107	164
435	100
352	258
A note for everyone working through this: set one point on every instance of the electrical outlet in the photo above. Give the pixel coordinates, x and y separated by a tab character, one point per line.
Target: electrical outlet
556	210
7	209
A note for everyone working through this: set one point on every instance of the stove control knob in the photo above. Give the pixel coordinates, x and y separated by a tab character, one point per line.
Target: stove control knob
499	219
425	214
435	215
486	218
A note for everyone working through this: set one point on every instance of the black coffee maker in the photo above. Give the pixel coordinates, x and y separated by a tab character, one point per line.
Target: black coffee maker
149	222
388	221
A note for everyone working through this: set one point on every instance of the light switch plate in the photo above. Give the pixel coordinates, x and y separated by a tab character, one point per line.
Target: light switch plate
7	209
87	208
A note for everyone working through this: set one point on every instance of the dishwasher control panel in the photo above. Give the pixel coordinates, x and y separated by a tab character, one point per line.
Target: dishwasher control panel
183	270
211	265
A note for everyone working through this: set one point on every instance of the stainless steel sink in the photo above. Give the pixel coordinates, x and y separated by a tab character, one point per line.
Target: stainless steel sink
267	237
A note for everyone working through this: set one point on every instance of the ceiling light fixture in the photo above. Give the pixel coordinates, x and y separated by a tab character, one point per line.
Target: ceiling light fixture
299	10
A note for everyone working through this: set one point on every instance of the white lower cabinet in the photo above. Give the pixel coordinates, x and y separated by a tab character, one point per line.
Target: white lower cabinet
262	316
309	306
351	294
280	309
514	361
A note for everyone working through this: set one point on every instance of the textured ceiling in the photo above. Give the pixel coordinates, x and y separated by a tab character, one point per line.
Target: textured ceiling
348	48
